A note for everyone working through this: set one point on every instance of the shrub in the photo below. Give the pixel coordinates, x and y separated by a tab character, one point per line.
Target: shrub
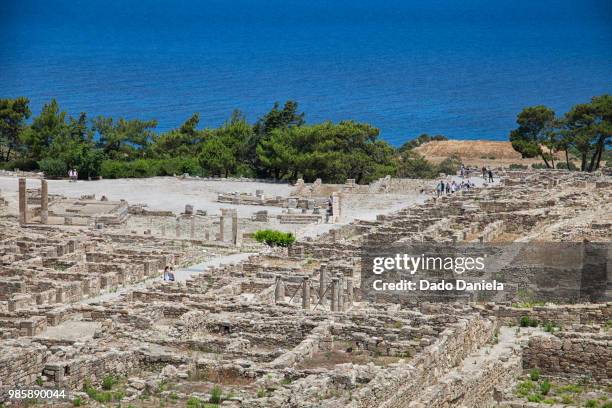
193	402
538	166
77	402
563	165
53	167
21	164
527	321
215	395
516	166
525	388
108	382
534	398
544	387
534	374
450	165
275	238
591	404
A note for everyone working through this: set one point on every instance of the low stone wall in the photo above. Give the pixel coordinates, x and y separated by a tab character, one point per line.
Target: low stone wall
20	365
571	354
397	387
563	315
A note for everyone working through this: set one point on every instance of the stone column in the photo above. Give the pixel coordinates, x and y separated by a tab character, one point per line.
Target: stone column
340	277
23	203
221	236
322	283
306	293
337	207
192	229
44	202
235	227
279	290
334	295
349	292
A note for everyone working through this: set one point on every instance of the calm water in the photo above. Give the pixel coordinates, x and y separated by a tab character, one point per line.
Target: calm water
459	68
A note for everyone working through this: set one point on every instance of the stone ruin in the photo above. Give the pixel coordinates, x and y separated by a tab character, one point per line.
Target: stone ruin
293	327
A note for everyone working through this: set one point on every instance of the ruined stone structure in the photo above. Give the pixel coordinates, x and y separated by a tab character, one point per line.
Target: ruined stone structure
278	327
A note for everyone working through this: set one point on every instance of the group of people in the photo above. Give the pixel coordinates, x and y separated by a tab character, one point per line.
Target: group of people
169	274
487	172
73	175
452	187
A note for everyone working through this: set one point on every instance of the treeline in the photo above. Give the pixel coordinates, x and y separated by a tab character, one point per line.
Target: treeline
584	132
278	145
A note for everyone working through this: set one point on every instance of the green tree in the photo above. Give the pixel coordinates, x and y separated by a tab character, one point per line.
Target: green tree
124	139
184	141
536	128
13	116
587	127
216	158
414	165
51	123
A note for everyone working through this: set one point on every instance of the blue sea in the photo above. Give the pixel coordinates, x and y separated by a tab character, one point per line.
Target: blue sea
463	69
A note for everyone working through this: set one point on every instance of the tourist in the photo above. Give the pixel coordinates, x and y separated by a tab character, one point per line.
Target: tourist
447	188
490	176
171	274
440	188
330	209
75	174
70	175
453	187
166	272
462	170
484	172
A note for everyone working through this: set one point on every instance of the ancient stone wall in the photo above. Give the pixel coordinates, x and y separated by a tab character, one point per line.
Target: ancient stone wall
571	354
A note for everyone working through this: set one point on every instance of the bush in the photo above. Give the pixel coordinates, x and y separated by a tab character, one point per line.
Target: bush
534	374
108	382
21	164
527	321
215	395
450	165
275	238
545	387
563	165
534	398
538	166
515	166
53	167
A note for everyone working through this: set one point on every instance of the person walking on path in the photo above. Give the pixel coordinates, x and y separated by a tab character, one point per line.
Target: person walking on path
490	176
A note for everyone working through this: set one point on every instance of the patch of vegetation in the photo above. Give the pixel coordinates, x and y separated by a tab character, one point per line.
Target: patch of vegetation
527	321
77	402
215	394
274	238
544	387
105	395
551	327
534	375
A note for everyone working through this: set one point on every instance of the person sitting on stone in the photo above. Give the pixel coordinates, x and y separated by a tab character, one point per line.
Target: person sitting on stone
171	274
166	273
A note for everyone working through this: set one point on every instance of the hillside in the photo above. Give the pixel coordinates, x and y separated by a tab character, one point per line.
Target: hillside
474	152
